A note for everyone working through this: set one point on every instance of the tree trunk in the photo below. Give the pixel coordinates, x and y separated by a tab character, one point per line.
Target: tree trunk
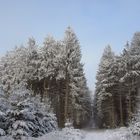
129	106
45	89
121	112
66	98
113	113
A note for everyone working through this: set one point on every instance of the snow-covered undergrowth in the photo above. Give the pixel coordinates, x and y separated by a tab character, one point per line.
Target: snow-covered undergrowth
76	134
65	134
25	116
121	134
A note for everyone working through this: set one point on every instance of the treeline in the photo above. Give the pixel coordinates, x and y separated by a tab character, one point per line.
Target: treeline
55	72
118	86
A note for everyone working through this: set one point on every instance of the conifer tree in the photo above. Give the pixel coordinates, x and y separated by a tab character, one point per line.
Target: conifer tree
75	83
104	98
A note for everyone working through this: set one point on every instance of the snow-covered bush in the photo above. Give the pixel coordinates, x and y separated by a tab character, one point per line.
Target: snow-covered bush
121	134
26	116
69	123
30	117
2	132
135	124
65	134
135	128
6	138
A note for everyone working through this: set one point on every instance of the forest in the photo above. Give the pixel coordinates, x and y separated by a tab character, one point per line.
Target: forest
117	88
43	89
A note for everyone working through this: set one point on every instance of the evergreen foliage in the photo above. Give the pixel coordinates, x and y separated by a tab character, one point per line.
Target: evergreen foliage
117	87
52	71
25	115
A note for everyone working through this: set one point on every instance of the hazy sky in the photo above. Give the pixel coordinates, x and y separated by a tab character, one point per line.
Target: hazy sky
96	23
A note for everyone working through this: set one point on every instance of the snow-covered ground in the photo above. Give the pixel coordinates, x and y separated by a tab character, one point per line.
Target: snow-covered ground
114	134
75	134
95	135
92	134
64	134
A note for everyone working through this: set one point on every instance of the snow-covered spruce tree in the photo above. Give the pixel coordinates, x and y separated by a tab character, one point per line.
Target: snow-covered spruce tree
49	64
135	70
33	65
6	72
75	83
27	116
33	62
20	67
51	75
126	78
104	97
130	74
13	69
64	82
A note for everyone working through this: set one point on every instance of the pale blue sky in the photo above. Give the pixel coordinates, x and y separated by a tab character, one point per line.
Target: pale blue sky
96	23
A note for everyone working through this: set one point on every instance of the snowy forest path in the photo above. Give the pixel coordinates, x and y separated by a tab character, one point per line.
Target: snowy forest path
95	135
